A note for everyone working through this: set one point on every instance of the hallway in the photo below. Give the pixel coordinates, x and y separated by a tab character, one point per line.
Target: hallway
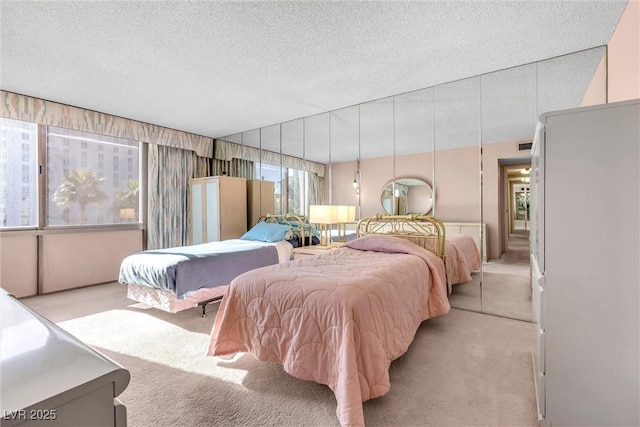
506	281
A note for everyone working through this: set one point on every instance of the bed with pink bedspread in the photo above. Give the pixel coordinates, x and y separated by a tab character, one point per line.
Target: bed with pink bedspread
462	258
338	318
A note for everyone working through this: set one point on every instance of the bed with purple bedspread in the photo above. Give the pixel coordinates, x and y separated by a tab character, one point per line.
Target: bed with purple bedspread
185	269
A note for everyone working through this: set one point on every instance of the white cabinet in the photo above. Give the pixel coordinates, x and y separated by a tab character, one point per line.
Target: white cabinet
50	378
473	229
218	208
585	276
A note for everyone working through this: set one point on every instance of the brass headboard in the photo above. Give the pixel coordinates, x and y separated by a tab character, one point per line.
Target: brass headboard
426	229
296	222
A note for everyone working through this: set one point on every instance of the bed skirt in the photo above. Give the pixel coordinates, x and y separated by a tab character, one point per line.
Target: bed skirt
166	301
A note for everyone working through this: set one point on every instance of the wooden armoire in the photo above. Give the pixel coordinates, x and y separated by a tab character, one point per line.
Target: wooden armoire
260	200
218	208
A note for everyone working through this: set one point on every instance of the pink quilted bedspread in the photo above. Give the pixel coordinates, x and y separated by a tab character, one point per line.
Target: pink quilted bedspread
338	318
462	257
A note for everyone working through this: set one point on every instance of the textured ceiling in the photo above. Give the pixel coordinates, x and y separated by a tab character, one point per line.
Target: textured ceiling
218	68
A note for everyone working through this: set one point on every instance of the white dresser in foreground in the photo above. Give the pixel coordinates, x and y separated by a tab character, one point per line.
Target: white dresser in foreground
585	247
50	378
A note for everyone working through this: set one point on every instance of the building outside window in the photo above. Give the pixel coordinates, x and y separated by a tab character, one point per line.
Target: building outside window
18	171
87	193
80	188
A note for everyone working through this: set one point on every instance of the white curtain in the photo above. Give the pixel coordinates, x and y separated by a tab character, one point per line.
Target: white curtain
168	196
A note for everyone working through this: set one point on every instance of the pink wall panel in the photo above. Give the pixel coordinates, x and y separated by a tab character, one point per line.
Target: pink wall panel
624	56
457	184
81	259
19	265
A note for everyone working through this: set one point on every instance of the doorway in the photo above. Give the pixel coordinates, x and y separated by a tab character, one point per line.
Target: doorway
515	201
506	281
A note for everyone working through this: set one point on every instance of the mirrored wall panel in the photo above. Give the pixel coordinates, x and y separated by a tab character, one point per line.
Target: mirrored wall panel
457	177
457	151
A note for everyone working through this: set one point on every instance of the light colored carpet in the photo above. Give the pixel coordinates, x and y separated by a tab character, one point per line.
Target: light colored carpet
463	369
503	288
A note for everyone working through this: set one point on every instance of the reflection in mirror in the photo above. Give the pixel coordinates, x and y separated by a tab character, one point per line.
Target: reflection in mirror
407	196
269	174
294	183
509	99
376	153
318	150
413	153
436	135
457	176
512	100
344	137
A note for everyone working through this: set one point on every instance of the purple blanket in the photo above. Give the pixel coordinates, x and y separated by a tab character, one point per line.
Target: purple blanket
188	268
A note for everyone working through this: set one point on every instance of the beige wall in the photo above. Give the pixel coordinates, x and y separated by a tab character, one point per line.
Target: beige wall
623	52
68	260
457	183
376	173
80	259
617	77
19	264
597	91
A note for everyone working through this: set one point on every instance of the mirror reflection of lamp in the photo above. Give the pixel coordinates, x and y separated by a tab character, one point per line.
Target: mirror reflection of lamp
127	214
346	214
323	216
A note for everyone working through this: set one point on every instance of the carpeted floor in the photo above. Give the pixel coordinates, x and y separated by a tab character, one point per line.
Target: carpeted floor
463	369
506	283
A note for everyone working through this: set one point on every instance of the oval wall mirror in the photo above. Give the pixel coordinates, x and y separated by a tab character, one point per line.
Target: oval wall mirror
407	196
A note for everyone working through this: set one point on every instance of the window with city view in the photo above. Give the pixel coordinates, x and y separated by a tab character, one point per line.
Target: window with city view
90	179
18	174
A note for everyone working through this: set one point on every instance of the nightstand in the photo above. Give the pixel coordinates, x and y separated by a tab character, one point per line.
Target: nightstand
306	251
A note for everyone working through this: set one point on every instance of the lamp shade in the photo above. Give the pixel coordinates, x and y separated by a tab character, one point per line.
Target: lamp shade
323	214
346	213
127	213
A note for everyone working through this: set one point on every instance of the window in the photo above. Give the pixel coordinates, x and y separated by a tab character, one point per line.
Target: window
18	171
273	173
292	181
80	187
90	191
296	190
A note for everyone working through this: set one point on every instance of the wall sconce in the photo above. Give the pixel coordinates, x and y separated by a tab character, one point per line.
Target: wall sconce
356	180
